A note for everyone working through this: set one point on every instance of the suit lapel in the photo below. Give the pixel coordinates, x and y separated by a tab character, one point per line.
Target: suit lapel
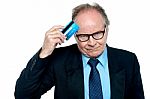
117	75
75	78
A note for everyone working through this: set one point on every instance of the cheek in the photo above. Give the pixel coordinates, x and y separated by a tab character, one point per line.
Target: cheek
82	47
103	41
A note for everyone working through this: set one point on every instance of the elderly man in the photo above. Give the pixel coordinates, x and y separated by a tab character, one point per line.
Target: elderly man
89	69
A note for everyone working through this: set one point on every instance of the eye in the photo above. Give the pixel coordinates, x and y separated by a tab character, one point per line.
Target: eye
98	34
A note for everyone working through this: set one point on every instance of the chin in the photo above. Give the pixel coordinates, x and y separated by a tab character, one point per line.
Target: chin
93	55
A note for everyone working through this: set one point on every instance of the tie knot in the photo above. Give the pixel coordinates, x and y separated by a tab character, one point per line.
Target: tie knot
93	62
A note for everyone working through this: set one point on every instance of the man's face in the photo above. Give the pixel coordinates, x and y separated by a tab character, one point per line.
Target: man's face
90	22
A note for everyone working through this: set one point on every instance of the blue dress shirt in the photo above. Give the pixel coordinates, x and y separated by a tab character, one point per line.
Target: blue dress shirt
103	71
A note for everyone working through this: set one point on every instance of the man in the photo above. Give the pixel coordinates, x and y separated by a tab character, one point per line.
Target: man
116	74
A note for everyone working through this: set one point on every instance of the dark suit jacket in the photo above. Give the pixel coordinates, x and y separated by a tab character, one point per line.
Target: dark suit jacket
64	70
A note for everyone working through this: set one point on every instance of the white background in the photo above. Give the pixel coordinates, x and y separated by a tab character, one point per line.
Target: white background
23	24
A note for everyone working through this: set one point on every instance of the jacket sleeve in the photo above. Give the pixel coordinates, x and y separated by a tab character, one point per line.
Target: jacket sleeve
35	79
137	81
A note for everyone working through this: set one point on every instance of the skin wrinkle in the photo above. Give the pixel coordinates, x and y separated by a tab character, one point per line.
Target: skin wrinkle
91	21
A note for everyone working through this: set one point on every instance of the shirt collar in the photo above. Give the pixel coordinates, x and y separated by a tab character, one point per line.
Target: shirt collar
103	58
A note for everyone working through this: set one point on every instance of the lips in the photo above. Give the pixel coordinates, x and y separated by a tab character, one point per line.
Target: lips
93	49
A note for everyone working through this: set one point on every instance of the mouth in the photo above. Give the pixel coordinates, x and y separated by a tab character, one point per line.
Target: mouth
92	49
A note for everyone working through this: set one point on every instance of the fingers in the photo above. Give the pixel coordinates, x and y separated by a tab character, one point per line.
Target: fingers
52	37
55	34
56	27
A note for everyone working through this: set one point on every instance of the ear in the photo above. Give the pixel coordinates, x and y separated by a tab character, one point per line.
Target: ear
107	28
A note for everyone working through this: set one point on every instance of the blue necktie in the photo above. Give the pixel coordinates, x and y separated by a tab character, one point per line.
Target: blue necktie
95	88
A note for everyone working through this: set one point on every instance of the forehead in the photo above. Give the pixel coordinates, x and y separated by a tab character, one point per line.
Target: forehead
89	20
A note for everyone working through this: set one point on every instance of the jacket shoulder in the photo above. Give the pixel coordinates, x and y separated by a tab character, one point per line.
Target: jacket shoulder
66	49
122	52
122	56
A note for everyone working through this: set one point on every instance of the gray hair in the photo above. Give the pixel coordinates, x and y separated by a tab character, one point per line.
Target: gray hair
87	6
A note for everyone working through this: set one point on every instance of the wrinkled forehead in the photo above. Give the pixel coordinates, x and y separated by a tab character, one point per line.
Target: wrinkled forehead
90	21
89	13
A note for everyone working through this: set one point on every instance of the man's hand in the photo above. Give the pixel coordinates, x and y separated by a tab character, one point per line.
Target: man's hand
52	37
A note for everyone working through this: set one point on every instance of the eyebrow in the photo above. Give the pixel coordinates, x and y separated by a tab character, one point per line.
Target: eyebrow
99	31
93	32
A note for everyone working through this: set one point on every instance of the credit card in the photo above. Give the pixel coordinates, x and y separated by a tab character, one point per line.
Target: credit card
70	29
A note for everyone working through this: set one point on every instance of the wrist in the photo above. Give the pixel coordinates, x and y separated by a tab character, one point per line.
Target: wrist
44	54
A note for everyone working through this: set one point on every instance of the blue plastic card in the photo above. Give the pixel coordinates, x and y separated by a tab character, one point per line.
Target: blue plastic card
70	29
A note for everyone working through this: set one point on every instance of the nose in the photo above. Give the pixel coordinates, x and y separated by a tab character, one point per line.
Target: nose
91	41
